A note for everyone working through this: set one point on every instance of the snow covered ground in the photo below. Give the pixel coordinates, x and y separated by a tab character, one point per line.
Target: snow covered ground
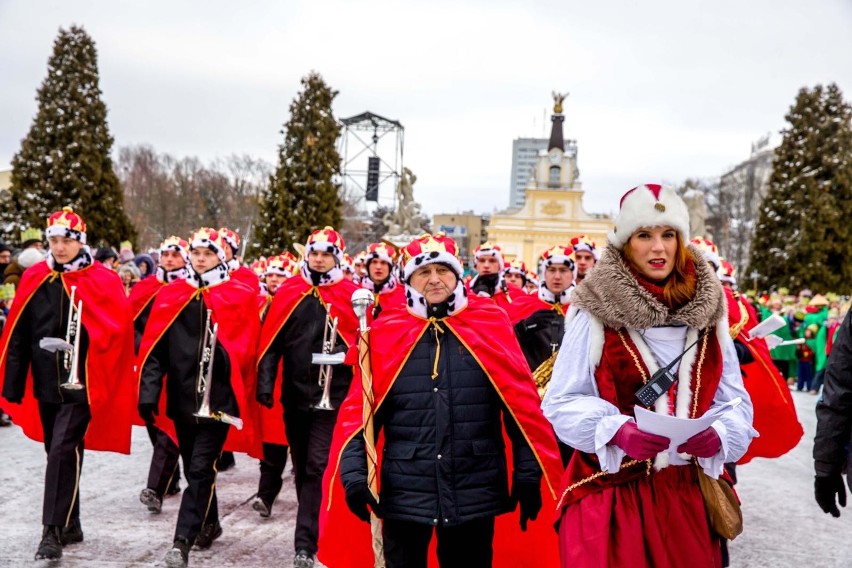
783	525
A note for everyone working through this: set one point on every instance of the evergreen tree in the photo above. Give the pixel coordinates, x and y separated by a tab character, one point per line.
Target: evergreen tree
803	237
65	158
303	193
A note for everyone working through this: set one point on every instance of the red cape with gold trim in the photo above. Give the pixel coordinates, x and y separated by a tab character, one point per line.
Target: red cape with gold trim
142	293
483	328
774	411
233	306
521	306
109	363
247	277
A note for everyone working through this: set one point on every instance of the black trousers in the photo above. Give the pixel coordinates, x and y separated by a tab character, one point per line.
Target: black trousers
164	472
200	445
468	545
271	471
64	426
309	433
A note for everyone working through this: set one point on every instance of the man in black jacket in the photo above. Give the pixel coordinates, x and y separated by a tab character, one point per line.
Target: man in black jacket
442	420
834	424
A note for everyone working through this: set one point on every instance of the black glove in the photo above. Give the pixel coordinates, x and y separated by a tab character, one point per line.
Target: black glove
358	496
529	497
148	410
264	399
825	490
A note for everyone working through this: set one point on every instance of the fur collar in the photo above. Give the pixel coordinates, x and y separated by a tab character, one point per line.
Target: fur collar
79	262
211	277
549	297
611	294
418	306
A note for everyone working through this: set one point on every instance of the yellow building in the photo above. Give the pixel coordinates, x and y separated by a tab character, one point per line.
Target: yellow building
467	229
553	206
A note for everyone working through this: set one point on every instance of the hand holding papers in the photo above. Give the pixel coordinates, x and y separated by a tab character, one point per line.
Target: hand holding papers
679	430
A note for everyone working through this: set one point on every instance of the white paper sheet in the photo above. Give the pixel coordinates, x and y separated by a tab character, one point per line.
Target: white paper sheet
679	430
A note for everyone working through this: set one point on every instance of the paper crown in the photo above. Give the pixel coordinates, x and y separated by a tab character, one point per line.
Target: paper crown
282	264
231	238
381	251
649	205
582	242
360	258
66	223
205	237
347	263
558	254
532	276
430	249
708	249
31	234
177	244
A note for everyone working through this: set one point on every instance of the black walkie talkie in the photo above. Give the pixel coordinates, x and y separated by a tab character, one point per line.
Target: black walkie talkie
662	380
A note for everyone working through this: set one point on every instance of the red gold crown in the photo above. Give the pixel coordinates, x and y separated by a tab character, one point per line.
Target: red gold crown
516	266
66	223
708	249
259	267
174	243
210	238
427	249
487	247
582	242
558	254
327	235
381	251
230	237
283	264
727	269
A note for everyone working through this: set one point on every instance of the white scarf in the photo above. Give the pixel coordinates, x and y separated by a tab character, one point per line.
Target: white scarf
212	277
549	297
79	262
417	303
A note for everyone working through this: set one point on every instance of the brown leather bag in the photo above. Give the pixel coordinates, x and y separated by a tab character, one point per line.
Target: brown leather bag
723	508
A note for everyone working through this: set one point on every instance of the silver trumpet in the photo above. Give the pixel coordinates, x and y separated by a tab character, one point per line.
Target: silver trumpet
326	360
70	345
204	383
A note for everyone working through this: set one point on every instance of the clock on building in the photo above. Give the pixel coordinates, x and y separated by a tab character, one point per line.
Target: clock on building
555	156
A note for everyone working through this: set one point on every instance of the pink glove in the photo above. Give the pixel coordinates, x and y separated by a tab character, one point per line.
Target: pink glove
705	444
637	444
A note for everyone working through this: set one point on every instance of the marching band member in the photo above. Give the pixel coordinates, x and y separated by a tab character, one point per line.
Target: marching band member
297	326
515	273
50	409
279	268
451	388
238	272
381	279
164	472
625	499
201	339
585	256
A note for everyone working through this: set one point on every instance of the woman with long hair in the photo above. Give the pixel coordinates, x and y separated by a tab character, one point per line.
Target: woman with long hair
626	500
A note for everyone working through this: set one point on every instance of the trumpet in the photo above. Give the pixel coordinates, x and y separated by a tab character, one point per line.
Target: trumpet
326	359
204	382
70	345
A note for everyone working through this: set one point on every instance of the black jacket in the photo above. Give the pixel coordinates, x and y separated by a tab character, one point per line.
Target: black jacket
46	315
178	354
538	333
834	411
300	337
444	458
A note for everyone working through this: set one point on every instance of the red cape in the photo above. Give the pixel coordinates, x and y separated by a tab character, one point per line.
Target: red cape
521	306
247	277
142	293
483	328
774	411
239	326
392	299
109	364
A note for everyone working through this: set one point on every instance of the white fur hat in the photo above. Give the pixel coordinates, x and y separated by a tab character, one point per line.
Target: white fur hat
649	205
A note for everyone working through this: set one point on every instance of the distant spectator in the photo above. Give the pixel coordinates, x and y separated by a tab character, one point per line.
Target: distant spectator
21	262
5	260
108	257
130	275
146	264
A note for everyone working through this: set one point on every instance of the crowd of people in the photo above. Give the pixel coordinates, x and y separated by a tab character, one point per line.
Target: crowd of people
417	403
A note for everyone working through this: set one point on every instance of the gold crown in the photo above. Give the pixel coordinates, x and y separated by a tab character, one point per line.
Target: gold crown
68	219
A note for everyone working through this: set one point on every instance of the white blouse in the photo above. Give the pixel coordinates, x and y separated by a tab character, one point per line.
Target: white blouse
588	423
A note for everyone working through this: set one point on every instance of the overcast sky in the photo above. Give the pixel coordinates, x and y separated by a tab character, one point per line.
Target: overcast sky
659	90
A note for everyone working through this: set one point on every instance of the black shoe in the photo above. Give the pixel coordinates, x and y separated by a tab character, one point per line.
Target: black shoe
50	547
178	556
303	559
173	489
73	533
150	499
209	533
262	507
